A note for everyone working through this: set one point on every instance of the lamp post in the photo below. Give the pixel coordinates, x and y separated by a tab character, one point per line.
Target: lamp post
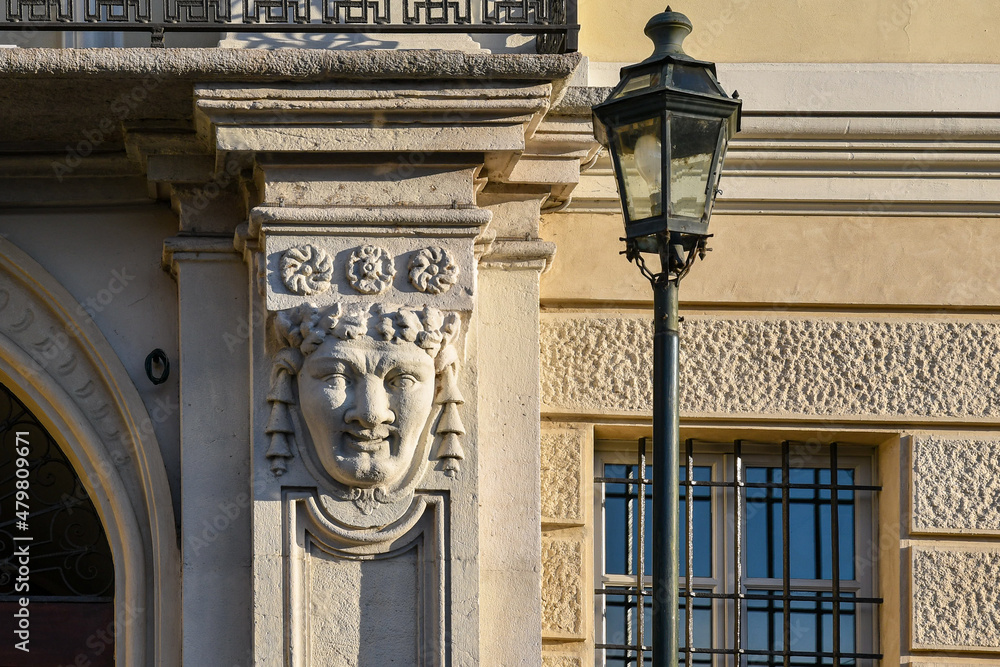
667	124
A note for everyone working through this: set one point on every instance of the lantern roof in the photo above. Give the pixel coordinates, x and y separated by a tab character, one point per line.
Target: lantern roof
668	79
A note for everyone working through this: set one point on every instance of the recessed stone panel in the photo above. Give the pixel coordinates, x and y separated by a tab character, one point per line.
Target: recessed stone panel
563	579
956	488
562	476
954	592
600	364
554	660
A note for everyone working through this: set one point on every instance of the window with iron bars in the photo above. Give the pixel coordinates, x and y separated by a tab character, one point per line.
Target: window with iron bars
780	539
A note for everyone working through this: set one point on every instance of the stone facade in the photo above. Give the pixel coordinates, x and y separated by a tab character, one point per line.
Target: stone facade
960	580
954	487
389	286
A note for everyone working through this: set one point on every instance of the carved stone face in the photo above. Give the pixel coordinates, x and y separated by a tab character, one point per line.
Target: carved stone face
366	404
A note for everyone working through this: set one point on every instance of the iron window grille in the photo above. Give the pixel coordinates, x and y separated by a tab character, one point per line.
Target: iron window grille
762	591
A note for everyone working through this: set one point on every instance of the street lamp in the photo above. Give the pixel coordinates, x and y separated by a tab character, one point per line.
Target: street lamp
667	124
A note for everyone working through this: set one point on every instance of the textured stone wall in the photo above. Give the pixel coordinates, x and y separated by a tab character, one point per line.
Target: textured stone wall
567	544
562	477
956	485
554	660
562	588
802	366
955	598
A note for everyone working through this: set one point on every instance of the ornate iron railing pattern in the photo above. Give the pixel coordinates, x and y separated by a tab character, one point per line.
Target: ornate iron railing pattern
553	21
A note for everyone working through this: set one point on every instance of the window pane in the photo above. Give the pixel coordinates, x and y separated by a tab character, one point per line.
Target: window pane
763	517
810	526
621	627
619	501
811	628
703	628
702	523
621	620
621	516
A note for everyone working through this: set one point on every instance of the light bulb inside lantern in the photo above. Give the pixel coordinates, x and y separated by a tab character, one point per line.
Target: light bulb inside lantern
647	160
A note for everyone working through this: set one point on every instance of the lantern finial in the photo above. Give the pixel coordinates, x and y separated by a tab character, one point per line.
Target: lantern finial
668	30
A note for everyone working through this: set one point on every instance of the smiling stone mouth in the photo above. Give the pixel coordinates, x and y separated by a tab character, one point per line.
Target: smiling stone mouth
367	444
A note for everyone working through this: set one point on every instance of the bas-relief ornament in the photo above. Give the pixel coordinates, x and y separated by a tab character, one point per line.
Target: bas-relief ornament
433	270
363	382
370	269
306	270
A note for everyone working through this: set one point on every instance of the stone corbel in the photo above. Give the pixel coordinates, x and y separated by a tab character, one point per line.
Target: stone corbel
511	254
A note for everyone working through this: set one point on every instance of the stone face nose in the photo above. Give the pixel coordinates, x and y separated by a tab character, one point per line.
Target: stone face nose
370	404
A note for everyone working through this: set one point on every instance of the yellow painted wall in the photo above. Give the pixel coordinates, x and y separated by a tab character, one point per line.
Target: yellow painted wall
943	31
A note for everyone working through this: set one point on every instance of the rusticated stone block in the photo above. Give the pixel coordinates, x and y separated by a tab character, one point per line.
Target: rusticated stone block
807	366
955	485
550	660
562	588
562	476
954	594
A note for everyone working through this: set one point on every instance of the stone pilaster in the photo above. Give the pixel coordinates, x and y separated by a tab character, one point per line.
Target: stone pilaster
393	241
215	457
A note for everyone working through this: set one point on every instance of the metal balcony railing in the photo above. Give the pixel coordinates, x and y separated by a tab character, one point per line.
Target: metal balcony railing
554	22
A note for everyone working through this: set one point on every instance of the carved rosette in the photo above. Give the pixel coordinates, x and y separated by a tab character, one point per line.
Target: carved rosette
370	269
306	270
433	270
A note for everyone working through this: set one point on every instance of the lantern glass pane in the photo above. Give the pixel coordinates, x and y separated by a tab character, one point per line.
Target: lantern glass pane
639	82
640	162
693	142
697	79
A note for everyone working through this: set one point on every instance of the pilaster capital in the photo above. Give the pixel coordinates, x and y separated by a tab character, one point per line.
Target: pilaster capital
198	249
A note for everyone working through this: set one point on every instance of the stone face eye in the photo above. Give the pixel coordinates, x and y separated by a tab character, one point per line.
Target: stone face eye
337	379
401	382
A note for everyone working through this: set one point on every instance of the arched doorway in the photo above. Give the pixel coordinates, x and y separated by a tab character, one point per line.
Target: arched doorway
57	578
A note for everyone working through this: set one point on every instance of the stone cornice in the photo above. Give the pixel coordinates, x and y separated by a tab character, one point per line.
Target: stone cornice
373	219
299	65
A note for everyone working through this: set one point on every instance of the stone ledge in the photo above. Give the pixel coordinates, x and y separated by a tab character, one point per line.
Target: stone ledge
580	100
951	589
955	486
215	64
810	366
